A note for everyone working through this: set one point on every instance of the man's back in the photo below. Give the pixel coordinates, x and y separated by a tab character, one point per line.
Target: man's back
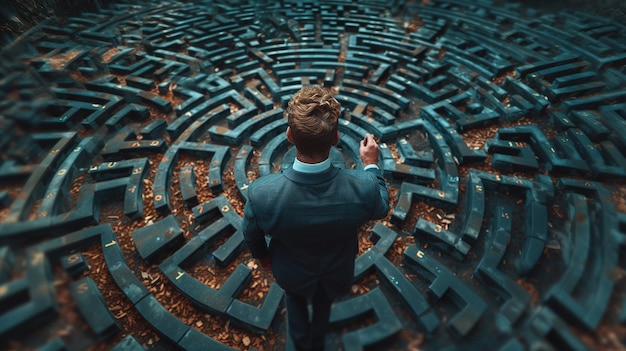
312	220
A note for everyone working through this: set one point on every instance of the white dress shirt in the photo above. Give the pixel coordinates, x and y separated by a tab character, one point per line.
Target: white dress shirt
300	166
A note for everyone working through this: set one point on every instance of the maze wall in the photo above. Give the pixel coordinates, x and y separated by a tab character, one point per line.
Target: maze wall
129	138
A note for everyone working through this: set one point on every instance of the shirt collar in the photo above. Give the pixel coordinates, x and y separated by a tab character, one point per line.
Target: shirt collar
300	166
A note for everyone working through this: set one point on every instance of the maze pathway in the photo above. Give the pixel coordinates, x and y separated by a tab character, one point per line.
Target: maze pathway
129	138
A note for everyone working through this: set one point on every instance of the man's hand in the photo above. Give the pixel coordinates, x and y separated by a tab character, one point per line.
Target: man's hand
369	150
266	262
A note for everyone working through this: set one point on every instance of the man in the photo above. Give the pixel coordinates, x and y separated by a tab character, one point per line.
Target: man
312	213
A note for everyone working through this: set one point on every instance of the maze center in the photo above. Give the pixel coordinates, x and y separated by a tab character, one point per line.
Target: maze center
130	135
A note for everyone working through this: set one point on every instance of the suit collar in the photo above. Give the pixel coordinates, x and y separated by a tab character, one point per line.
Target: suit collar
311	178
300	166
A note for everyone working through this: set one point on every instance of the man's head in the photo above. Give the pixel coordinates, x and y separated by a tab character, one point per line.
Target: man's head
313	115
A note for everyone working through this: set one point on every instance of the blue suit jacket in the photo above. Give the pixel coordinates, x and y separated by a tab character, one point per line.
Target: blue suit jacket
313	222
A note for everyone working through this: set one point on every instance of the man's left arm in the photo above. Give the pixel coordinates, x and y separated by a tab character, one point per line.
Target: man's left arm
253	235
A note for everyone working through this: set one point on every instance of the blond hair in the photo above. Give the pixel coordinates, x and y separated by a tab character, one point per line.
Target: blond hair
313	115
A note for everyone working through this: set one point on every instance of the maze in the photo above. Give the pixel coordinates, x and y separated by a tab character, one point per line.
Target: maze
129	138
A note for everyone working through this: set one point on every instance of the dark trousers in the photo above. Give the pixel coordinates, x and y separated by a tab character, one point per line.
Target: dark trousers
308	333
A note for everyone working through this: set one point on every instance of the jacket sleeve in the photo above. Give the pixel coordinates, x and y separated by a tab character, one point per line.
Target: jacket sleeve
381	203
253	235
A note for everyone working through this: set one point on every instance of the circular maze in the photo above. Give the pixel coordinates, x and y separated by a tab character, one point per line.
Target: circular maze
129	138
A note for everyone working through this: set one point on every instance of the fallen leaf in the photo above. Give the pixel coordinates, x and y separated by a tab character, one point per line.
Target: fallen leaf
355	289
